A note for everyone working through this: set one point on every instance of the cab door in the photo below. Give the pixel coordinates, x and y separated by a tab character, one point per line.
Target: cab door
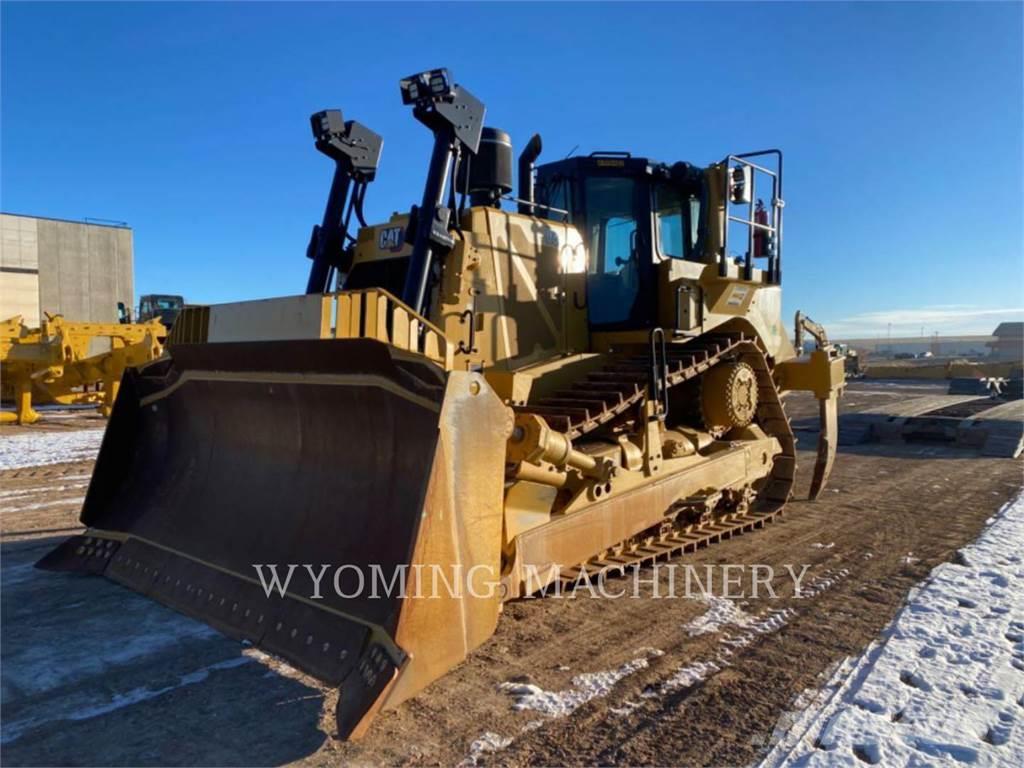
620	275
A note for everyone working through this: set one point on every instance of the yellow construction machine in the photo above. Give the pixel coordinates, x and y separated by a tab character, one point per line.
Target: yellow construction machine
70	363
515	390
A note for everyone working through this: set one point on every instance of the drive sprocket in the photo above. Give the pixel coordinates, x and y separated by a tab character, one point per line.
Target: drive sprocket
728	395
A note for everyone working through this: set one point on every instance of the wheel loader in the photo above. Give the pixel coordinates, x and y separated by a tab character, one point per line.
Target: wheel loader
506	391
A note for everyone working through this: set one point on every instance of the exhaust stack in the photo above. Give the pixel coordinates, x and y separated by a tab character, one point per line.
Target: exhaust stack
526	160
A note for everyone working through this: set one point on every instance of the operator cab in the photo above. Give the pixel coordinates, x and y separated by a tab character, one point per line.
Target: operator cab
633	213
163	307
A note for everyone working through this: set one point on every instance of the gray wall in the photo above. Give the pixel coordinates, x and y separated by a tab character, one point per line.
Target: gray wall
19	269
84	269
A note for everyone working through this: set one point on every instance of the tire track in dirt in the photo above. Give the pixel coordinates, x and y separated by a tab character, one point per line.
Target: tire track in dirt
46	500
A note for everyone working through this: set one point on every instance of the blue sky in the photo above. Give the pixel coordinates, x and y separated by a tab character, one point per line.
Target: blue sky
901	124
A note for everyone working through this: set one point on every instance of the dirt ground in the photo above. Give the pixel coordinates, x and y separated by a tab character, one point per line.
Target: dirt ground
95	675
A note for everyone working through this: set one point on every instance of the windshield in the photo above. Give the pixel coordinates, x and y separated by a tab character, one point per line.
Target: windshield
677	218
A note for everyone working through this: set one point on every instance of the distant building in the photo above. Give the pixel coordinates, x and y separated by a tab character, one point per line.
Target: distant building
939	346
78	269
1008	341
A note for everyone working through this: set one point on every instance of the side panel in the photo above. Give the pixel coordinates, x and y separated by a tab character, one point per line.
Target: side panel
765	315
519	276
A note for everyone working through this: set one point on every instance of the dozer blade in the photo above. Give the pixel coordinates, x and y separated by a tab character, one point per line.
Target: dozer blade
828	439
343	459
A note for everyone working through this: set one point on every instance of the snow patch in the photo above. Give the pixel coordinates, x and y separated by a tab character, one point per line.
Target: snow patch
626	708
486	743
136	695
824	582
720	613
944	683
276	667
14	730
723	613
38	668
68	502
554	704
42	448
585	687
19	573
684	677
772	621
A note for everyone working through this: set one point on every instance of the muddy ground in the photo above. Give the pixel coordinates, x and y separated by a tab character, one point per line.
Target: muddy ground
95	675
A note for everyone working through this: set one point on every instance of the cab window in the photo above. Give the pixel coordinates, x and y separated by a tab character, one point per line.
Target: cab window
554	198
677	218
613	282
611	223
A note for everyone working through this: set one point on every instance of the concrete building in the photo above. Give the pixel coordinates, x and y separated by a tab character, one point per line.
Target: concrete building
77	269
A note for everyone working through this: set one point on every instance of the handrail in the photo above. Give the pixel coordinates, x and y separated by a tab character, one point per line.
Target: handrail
774	228
373	313
658	375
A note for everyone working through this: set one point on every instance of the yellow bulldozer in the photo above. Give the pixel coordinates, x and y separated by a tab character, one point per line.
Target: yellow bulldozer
500	392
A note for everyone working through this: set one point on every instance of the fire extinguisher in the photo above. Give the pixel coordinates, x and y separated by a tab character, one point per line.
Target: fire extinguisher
761	236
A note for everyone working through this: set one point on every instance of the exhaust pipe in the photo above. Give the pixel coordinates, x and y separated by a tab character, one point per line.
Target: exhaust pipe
530	153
